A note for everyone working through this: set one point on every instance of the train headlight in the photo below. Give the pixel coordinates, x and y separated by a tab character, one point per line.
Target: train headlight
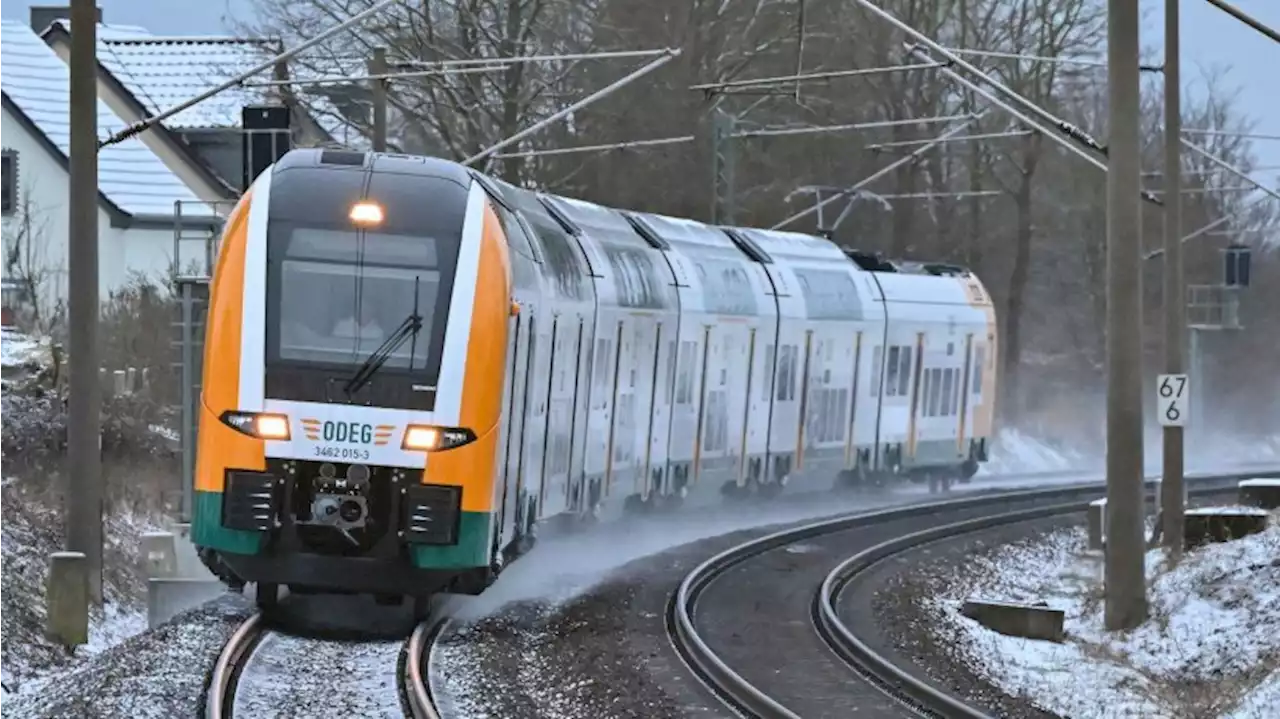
366	213
425	438
262	425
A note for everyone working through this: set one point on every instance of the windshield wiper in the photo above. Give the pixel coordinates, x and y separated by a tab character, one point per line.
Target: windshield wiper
408	328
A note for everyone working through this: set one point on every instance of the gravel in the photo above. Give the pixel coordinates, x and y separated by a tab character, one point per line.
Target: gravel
885	607
294	677
158	674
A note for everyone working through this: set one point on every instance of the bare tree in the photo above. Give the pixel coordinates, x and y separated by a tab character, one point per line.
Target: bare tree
27	264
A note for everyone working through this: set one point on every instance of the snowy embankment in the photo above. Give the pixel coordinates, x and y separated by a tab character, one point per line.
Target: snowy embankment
1210	648
19	351
31	532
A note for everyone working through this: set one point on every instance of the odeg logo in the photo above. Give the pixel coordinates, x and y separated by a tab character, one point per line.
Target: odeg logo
349	432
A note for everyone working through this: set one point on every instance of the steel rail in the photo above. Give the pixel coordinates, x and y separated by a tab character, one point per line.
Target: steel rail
414	676
915	693
744	697
220	694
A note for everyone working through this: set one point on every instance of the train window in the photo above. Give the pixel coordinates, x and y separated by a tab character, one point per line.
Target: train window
904	373
979	356
671	369
517	237
684	386
891	381
948	377
876	355
955	399
843	398
767	375
601	367
924	393
935	391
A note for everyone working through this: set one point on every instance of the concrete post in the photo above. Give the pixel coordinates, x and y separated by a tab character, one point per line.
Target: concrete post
67	599
1126	591
159	551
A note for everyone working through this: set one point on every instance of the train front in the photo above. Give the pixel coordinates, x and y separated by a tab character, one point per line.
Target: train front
353	380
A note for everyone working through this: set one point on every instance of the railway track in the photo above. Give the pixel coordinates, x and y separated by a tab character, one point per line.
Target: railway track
797	678
396	672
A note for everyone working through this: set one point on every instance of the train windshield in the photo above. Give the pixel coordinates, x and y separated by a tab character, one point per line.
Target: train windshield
342	293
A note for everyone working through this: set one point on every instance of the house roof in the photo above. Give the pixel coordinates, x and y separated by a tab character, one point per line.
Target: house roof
130	176
162	72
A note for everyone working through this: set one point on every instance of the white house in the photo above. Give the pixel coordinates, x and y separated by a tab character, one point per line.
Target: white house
138	191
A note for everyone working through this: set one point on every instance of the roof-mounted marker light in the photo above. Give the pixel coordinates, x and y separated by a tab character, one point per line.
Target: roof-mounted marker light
366	213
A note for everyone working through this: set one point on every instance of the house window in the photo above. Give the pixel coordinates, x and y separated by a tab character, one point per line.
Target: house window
9	193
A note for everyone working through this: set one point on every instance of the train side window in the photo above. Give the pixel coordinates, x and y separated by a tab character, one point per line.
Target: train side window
979	356
877	355
684	387
947	379
784	367
924	393
904	373
955	398
935	391
671	368
891	381
795	371
767	375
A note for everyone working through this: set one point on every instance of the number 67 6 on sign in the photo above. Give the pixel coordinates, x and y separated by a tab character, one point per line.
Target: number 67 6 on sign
1173	399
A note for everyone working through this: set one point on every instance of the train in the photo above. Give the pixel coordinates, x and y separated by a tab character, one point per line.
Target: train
411	366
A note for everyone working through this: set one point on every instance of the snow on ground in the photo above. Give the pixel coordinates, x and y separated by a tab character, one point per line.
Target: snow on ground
17	349
1211	647
30	532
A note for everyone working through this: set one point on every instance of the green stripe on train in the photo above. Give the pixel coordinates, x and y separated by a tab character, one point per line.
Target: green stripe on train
207	529
472	549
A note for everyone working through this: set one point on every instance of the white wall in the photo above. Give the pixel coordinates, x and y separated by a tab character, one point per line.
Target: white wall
42	179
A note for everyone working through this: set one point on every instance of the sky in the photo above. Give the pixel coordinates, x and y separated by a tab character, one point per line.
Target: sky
1210	38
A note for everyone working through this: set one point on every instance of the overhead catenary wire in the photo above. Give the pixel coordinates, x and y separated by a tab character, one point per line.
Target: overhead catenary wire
955	61
1086	62
1214	224
782	131
472	66
669	55
949	140
1056	137
143	125
1241	174
956	129
798	77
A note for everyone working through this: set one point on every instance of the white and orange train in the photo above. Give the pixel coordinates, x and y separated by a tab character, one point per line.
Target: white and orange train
409	365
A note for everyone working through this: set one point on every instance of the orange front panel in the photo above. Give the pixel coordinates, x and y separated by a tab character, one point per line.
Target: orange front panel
474	467
219	446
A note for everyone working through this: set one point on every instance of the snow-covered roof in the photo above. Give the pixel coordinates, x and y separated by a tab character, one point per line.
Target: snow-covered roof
163	72
36	80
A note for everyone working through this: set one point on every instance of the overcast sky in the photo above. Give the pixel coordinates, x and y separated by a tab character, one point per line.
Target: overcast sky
1210	38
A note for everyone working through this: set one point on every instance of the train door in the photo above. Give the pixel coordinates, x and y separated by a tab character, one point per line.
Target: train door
913	427
621	438
549	448
646	478
963	387
804	399
851	441
559	501
519	351
743	448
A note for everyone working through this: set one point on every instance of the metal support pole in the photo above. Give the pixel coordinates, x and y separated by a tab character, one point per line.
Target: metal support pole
955	60
187	437
670	54
377	67
1126	592
84	420
1175	319
723	167
1237	14
882	171
1056	137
